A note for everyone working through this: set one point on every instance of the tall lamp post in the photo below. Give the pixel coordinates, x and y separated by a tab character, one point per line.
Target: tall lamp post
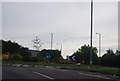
99	46
51	40
91	32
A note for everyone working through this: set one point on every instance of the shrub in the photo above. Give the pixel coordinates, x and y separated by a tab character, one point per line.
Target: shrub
16	57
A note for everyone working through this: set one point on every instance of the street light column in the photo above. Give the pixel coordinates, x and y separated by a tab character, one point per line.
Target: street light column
51	40
99	46
91	32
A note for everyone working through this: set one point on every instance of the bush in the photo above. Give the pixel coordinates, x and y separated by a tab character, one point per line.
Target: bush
16	57
35	59
66	62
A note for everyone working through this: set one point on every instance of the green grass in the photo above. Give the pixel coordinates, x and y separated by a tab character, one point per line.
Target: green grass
93	68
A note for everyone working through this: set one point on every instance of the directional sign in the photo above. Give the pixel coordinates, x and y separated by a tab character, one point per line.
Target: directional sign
48	56
73	57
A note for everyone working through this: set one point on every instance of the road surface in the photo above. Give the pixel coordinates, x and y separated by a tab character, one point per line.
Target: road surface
51	73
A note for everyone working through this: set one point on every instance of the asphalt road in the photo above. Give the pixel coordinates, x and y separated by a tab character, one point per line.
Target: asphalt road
12	72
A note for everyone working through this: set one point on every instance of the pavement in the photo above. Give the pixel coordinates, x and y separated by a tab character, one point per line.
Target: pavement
50	73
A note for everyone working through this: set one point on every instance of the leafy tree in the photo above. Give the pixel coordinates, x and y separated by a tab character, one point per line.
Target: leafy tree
117	60
55	54
17	57
37	43
82	55
117	52
108	59
111	59
25	53
110	51
35	59
13	48
10	48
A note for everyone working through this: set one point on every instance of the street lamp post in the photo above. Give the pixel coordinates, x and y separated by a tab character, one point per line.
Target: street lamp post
99	46
91	32
51	40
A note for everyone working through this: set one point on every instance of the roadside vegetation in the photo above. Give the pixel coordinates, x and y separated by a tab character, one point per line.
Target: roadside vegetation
90	68
13	53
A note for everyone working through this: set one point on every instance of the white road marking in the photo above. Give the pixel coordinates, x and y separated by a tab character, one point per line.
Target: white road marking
94	75
61	70
44	75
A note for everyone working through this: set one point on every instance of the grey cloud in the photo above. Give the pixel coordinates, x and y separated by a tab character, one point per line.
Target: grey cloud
68	21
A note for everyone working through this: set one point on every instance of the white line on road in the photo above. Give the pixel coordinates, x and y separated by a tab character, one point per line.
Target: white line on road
94	75
44	75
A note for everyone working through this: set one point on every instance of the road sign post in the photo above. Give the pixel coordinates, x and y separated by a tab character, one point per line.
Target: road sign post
48	57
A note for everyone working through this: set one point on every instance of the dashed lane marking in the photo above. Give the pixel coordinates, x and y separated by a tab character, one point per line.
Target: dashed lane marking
43	75
94	75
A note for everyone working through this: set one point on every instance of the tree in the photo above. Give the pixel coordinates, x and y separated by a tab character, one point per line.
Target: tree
55	54
82	55
10	47
35	59
37	43
117	52
13	48
17	57
25	53
109	58
109	51
117	58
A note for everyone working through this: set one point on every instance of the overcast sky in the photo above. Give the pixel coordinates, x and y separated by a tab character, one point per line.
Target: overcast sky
68	21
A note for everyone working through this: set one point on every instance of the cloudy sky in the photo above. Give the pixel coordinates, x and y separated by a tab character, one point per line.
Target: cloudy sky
68	21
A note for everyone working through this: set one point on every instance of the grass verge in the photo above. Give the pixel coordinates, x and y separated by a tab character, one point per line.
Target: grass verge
91	68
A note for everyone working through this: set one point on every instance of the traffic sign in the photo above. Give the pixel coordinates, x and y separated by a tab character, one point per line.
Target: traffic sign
73	57
48	56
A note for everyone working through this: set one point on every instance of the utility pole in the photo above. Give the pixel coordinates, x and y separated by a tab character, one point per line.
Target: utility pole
91	32
51	40
99	46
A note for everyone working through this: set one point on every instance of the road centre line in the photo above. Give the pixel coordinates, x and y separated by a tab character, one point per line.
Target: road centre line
44	75
94	75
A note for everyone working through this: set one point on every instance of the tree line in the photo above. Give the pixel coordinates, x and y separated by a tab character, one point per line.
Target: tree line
111	59
12	51
16	52
82	55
